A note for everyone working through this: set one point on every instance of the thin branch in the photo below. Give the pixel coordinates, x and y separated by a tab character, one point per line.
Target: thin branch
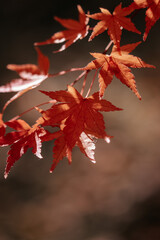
84	82
17	95
78	78
64	72
91	84
32	108
107	47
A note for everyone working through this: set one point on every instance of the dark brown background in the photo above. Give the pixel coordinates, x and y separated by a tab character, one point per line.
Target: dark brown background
119	197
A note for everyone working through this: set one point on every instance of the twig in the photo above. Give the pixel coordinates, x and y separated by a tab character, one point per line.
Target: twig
84	82
78	78
107	47
64	72
91	84
32	108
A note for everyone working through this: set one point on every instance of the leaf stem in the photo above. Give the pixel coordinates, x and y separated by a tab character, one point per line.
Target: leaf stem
84	82
64	72
91	84
78	78
32	108
107	47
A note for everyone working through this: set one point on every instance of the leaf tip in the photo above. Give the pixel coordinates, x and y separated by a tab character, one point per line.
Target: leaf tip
5	175
93	161
145	36
107	139
90	39
138	32
79	8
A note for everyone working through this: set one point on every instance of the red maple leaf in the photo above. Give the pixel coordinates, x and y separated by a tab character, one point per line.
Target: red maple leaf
76	114
113	23
61	150
31	75
118	65
85	142
75	30
152	13
21	140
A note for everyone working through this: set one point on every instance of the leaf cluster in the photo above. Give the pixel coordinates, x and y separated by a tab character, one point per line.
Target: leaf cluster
77	117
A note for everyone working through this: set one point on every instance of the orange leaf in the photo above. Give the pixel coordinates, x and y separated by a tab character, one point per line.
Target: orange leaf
113	23
118	65
75	30
21	145
22	139
77	113
30	75
152	13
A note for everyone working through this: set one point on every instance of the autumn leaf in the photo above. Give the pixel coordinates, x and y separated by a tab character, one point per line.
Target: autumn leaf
75	30
21	140
118	65
30	75
61	150
152	13
80	121
85	143
113	23
77	113
21	128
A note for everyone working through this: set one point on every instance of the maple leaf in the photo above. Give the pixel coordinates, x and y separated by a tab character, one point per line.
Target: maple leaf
77	113
152	13
21	140
31	75
21	128
85	143
118	65
61	149
75	30
113	23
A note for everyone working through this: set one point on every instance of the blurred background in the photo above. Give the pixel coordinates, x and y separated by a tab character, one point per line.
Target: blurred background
118	198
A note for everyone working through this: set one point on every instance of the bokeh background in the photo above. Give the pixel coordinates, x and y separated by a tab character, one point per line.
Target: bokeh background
118	198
